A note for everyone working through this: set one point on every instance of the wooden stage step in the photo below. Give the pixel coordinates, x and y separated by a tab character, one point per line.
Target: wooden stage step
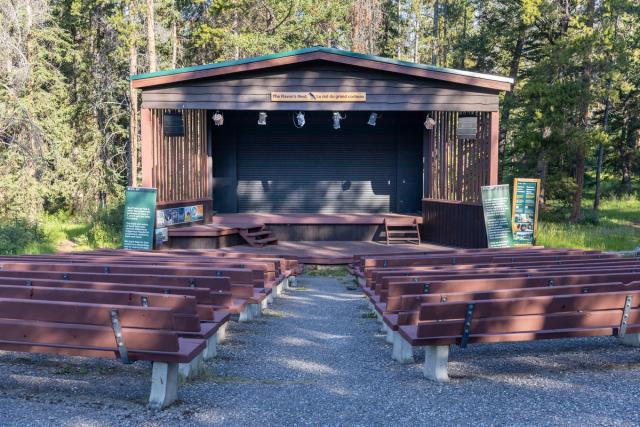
402	230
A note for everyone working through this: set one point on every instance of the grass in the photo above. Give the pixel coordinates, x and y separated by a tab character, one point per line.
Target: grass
327	271
616	227
59	233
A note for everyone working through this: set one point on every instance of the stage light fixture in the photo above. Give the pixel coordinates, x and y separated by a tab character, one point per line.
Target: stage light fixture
429	123
262	118
298	119
218	118
373	118
337	117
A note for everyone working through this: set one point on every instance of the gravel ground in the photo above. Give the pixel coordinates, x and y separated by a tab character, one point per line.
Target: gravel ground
316	358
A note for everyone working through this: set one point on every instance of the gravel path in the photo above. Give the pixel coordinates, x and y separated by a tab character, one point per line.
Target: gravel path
316	358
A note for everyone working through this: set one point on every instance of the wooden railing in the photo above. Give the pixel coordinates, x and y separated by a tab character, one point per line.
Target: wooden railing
453	223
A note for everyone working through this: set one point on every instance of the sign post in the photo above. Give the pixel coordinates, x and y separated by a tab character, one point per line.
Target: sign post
139	218
524	215
496	203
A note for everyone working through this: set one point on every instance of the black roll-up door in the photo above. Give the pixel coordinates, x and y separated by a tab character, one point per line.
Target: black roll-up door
316	168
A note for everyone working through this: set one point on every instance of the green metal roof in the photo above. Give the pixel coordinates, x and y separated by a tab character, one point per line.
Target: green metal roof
325	50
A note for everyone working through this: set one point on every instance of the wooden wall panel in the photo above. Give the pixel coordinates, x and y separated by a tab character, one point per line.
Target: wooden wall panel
457	168
180	170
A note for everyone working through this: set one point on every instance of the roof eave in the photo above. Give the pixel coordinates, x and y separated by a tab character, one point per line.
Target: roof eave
306	55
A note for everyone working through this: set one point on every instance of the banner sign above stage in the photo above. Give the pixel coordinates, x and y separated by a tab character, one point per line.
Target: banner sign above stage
181	215
318	96
496	204
526	193
139	218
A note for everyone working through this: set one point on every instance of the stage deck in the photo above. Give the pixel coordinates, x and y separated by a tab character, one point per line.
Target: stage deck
225	224
331	252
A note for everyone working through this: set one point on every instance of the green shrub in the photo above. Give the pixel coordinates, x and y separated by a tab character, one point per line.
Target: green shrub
17	236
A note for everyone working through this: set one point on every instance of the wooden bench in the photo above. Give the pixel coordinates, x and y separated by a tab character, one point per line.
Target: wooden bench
169	310
127	332
536	296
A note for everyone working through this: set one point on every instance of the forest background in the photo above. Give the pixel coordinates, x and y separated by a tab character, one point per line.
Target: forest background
69	127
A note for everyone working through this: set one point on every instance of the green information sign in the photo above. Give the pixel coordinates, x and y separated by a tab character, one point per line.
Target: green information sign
139	218
526	193
496	204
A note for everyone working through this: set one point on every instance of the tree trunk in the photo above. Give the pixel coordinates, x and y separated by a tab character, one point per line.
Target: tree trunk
576	210
133	117
234	29
400	44
174	41
543	169
434	48
151	37
416	31
508	100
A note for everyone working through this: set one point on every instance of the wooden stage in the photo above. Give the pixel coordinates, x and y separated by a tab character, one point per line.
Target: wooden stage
228	229
310	238
331	253
224	224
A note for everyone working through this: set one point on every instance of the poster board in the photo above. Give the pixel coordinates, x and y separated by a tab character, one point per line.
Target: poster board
524	214
496	206
139	218
182	215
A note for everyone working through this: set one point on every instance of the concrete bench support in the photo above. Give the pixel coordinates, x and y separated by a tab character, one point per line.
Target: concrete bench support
221	335
390	335
631	339
264	304
187	371
269	298
245	314
256	309
436	363
402	350
164	385
211	350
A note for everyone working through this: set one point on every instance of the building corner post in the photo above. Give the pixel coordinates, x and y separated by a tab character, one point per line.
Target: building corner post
494	150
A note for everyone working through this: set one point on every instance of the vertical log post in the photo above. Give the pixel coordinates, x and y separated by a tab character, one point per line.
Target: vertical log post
493	148
146	133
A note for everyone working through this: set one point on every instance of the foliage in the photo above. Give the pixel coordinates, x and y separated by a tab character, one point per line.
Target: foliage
65	103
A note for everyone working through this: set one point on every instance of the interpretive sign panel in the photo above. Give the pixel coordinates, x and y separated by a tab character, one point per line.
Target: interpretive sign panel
524	216
139	218
496	204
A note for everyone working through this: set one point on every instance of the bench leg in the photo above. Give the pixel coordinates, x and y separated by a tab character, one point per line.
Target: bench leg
631	339
256	309
436	363
245	314
402	350
384	328
193	369
265	302
211	350
285	283
222	333
270	297
164	385
390	335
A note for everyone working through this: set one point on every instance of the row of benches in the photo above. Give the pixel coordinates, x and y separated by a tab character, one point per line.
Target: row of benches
457	297
170	308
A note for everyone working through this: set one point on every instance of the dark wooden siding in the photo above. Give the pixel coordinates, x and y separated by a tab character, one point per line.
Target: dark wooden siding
453	223
278	168
180	169
456	169
385	91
